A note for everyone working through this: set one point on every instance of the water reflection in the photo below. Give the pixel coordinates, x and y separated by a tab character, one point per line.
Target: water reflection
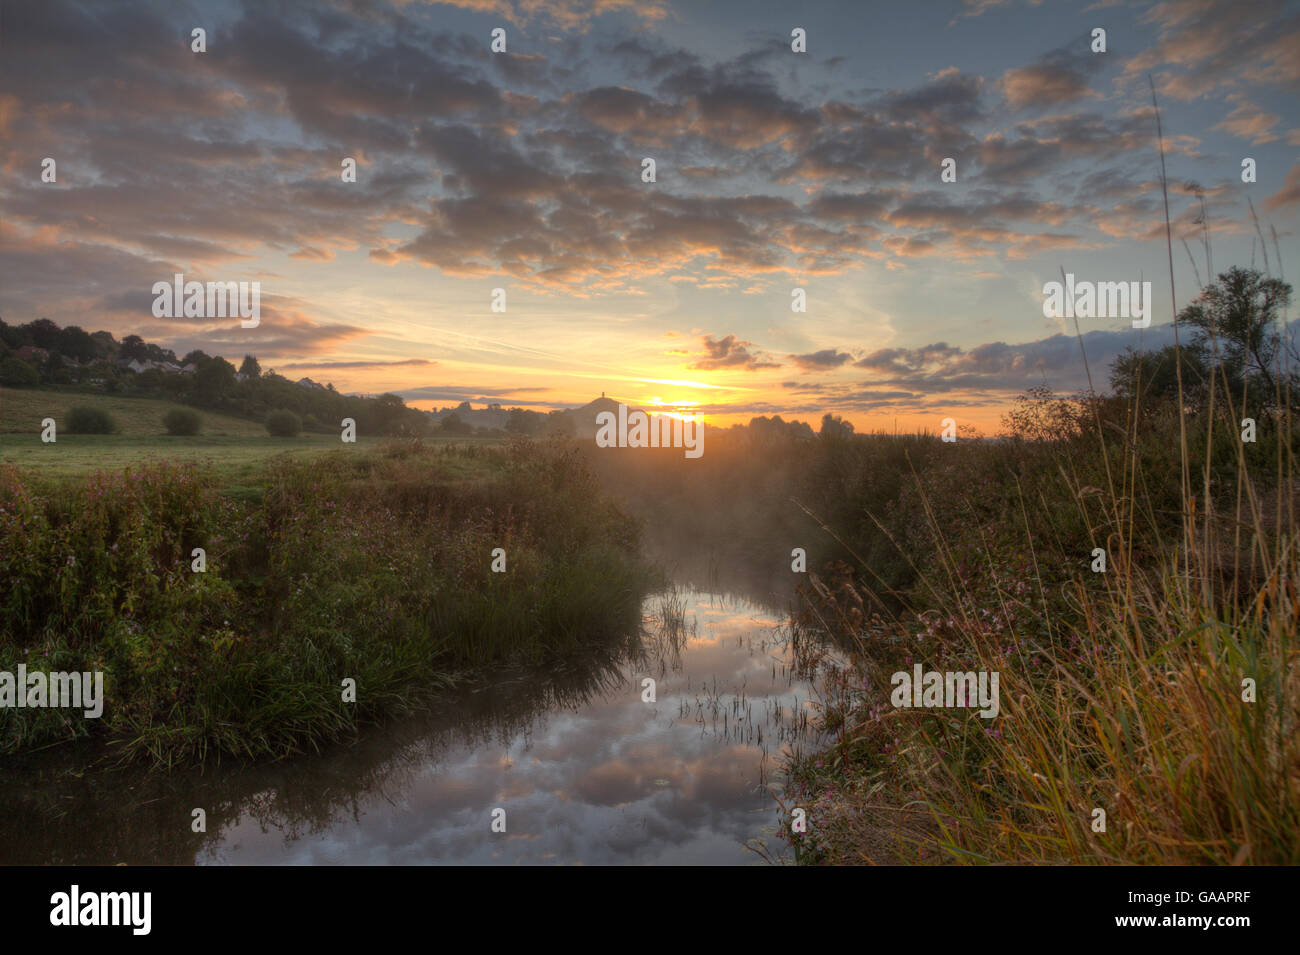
587	772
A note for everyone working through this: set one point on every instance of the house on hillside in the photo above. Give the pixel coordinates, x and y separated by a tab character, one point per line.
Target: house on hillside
308	383
32	353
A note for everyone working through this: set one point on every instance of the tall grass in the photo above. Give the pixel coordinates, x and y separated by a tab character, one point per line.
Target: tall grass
1124	691
373	567
1149	714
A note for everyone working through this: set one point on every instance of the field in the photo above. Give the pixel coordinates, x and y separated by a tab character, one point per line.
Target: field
233	447
22	409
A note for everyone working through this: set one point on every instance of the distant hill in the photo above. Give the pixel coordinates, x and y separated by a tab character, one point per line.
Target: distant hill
494	416
584	418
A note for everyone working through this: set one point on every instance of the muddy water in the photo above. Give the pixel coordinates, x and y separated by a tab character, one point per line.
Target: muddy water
586	771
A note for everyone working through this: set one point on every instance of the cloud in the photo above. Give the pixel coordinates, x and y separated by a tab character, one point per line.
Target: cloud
525	168
564	14
279	335
217	161
730	352
1205	45
1288	195
1058	78
331	365
976	8
458	393
998	369
950	95
824	360
1249	122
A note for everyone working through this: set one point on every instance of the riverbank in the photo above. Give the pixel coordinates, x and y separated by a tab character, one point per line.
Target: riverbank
332	591
1145	641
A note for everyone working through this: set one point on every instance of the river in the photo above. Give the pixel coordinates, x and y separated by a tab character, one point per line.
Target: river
586	771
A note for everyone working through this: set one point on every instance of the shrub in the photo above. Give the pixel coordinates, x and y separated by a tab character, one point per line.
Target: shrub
18	374
86	420
182	421
283	424
240	660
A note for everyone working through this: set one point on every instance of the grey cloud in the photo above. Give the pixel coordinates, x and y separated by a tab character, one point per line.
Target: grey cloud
730	352
823	360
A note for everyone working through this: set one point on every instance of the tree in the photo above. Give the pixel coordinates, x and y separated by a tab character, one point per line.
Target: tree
385	414
13	336
525	422
561	424
18	374
213	381
454	426
1237	318
158	353
133	347
196	357
54	370
106	345
250	368
44	334
1154	375
833	426
76	343
763	429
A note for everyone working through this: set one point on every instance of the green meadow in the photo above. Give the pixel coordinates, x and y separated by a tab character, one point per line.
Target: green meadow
233	447
326	562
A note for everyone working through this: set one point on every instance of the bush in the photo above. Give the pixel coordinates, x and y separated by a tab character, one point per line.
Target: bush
182	421
239	661
86	420
18	374
283	424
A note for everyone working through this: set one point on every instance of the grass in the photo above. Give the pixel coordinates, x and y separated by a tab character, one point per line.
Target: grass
238	458
1121	692
233	447
366	565
1150	712
23	409
1124	691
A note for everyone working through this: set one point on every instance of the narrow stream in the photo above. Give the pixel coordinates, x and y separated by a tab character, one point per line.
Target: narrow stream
585	770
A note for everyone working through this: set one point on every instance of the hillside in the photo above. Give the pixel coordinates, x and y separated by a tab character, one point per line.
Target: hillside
235	447
22	410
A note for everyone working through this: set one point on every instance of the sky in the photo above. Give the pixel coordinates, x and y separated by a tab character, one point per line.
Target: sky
522	170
